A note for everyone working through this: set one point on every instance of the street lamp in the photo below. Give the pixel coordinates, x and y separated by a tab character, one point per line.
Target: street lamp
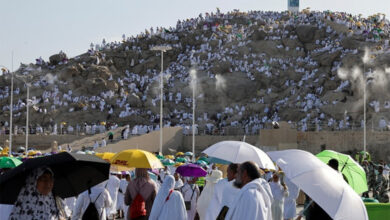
28	85
193	79
11	108
366	59
162	49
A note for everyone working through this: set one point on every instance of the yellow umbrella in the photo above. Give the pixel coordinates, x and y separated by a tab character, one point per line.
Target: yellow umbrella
107	156
171	157
31	153
178	164
179	154
118	168
137	159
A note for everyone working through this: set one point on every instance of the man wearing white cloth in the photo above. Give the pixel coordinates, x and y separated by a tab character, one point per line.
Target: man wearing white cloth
168	204
207	193
224	193
290	204
190	192
120	203
99	195
113	188
279	192
252	201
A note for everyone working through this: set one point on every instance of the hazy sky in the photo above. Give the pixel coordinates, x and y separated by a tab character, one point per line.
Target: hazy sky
33	28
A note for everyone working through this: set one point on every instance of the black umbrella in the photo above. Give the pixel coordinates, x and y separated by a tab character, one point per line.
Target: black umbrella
73	174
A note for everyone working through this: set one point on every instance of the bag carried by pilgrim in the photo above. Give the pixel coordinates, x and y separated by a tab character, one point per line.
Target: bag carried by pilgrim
137	207
91	213
188	203
222	213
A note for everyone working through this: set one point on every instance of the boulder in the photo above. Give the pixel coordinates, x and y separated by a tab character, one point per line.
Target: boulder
306	33
326	58
57	58
99	72
258	35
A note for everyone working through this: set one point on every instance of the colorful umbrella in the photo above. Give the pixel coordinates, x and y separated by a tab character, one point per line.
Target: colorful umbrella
178	164
107	156
137	159
168	162
218	161
179	154
181	160
201	163
192	170
9	162
188	154
351	169
170	157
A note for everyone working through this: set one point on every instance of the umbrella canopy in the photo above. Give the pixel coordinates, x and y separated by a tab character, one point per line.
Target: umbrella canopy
218	161
201	163
118	168
321	183
239	152
73	174
170	157
354	173
107	156
136	159
9	162
188	154
179	154
181	160
192	170
178	164
160	156
168	162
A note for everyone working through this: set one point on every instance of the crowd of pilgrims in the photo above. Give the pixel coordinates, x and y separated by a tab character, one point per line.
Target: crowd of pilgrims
246	192
226	31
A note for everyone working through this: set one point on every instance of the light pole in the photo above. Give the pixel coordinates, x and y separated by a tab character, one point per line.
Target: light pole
366	59
11	107
193	78
364	112
162	49
27	115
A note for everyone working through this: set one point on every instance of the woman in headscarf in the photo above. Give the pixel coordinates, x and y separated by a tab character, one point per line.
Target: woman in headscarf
208	192
143	186
36	200
169	204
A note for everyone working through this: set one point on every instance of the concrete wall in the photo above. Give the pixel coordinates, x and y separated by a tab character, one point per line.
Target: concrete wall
378	143
202	142
172	138
41	142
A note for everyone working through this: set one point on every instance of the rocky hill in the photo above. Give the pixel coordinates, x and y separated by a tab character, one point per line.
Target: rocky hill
251	69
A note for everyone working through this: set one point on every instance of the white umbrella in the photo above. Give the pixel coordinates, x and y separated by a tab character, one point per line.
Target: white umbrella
323	184
239	152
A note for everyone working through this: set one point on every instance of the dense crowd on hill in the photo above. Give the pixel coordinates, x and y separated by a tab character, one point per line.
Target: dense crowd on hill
219	37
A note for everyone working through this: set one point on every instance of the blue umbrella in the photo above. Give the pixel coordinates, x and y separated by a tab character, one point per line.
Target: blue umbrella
218	161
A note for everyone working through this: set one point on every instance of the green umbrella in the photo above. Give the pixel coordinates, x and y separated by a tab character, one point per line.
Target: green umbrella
205	159
181	160
9	162
201	163
351	169
168	162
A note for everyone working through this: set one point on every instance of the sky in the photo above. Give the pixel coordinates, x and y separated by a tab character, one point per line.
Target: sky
33	28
